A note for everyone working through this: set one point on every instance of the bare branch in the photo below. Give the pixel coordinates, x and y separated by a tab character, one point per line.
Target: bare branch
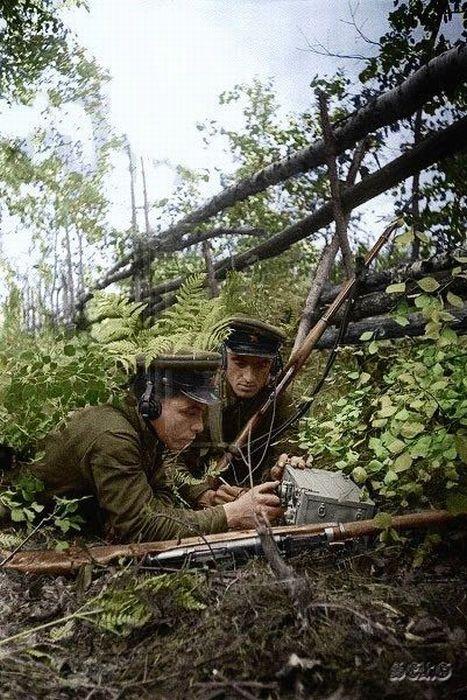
323	269
340	217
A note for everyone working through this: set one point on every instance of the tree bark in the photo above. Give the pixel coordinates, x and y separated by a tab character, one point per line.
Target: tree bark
378	303
147	225
135	239
70	285
213	284
323	269
385	328
378	281
340	217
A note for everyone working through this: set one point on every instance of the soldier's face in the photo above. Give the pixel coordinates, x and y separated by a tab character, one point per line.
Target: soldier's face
247	374
180	422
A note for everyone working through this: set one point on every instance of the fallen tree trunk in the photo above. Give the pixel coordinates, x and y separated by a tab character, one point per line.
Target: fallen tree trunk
435	148
385	328
378	281
443	73
378	303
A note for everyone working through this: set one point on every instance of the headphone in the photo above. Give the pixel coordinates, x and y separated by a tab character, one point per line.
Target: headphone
149	403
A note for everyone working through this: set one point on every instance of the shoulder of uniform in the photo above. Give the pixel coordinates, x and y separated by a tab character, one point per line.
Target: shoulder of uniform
105	418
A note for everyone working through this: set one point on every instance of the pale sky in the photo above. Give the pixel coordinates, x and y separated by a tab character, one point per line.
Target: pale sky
170	59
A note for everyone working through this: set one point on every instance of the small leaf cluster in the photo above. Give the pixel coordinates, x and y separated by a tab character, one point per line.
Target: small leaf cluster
23	500
124	608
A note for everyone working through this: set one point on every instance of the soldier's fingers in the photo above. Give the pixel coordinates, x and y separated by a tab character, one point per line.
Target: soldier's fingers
282	459
277	472
231	490
271	514
268	499
221	498
297	462
267	486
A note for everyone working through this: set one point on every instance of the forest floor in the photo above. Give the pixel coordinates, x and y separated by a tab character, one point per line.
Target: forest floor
345	624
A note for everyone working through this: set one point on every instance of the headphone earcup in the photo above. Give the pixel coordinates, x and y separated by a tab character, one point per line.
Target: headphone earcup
155	408
149	406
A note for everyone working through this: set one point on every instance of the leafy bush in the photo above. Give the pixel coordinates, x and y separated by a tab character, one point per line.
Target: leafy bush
43	378
399	428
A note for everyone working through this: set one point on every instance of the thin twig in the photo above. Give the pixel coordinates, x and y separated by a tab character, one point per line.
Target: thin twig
340	216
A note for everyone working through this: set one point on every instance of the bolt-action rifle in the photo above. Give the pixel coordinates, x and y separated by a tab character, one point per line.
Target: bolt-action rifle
230	547
301	355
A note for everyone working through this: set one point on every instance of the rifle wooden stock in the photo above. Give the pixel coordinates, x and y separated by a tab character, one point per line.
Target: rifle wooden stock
298	358
53	562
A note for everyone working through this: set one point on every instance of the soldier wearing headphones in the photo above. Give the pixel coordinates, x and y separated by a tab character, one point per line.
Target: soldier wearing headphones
251	363
118	455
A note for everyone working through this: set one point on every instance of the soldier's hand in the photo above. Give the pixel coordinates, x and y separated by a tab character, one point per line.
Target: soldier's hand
259	503
277	471
224	494
227	494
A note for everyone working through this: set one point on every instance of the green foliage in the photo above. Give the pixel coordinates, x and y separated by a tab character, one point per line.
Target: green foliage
400	426
43	378
23	500
194	321
419	30
32	39
123	608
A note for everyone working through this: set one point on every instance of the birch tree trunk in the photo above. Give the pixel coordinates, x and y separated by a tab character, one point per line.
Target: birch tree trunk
213	284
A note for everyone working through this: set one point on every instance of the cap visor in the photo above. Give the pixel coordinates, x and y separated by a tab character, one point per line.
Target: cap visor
253	353
202	395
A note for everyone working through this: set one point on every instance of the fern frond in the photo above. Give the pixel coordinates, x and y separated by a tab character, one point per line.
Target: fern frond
104	305
128	607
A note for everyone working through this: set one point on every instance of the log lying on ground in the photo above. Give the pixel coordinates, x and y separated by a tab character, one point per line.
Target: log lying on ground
378	303
378	281
442	74
439	145
385	328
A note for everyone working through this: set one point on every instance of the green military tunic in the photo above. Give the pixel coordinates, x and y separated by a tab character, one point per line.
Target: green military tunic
112	454
211	444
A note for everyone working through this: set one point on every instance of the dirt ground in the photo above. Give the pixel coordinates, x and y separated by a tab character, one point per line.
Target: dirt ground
344	624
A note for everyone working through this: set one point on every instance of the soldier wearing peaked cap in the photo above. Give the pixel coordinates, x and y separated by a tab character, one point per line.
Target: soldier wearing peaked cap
118	453
251	362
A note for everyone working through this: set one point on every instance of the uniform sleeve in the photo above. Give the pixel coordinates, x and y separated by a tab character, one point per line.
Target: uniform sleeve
187	473
134	511
189	488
